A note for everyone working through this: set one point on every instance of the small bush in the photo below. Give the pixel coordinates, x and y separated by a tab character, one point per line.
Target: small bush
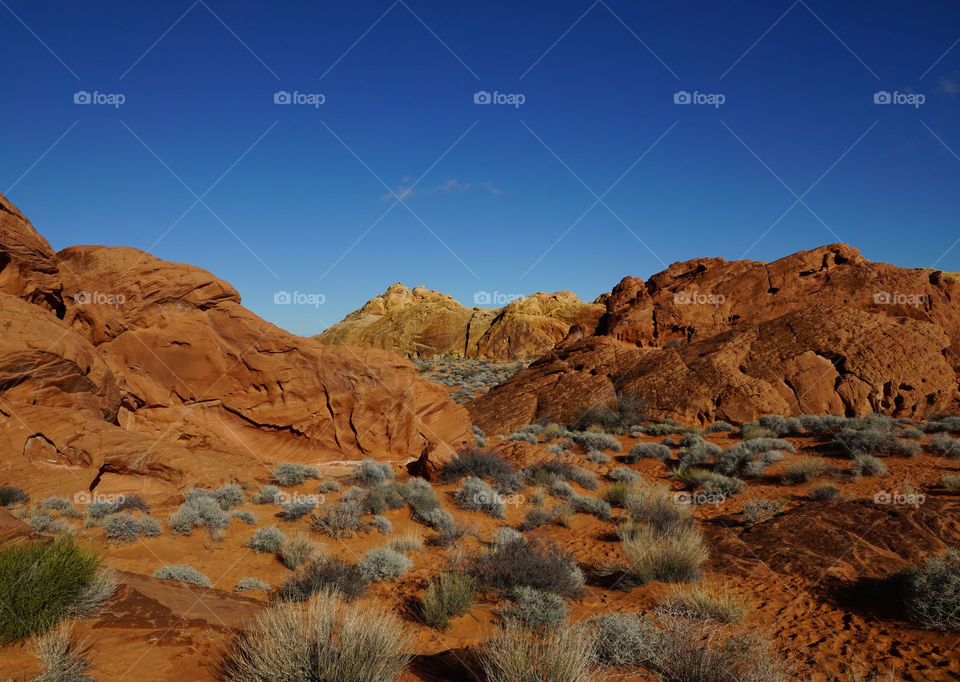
183	573
340	520
199	509
101	508
534	609
868	465
266	540
824	491
562	489
328	487
597	441
251	584
475	495
523	437
50	579
324	574
62	658
710	483
760	509
408	542
132	503
562	654
248	517
676	557
598	457
384	563
122	528
536	517
625	474
506	534
930	593
705	602
297	508
874	441
616	493
945	445
382	524
623	640
287	474
297	550
647	451
449	595
11	495
591	505
269	494
656	508
327	641
228	496
583	478
371	472
56	503
527	564
719	426
802	470
952	483
46	523
479	463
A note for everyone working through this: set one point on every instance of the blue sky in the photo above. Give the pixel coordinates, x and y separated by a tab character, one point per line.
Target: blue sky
598	174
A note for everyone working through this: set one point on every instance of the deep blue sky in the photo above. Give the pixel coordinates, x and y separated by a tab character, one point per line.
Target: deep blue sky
496	202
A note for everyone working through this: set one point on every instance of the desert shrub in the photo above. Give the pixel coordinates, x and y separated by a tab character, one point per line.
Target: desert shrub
46	523
382	524
448	536
62	657
121	528
297	550
623	640
585	479
562	654
705	602
475	495
523	437
408	542
664	428
342	519
228	496
590	505
559	449
95	593
538	497
506	534
802	470
527	564
597	457
534	609
941	424
449	595
626	475
132	503
951	482
199	509
328	487
548	471
647	451
761	445
710	483
56	503
930	593
371	472
824	491
297	508
668	441
751	431
874	441
676	557
269	494
266	540
945	445
11	495
327	641
597	441
760	509
479	463
599	418
616	493
656	508
101	508
377	499
819	425
183	573
251	584
43	582
551	431
914	434
324	574
383	563
719	426
438	519
536	517
757	466
248	517
868	465
290	473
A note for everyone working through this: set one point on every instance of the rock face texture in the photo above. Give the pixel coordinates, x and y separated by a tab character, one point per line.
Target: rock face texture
821	331
422	323
122	372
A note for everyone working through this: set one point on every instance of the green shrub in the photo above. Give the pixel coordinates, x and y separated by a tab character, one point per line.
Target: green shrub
514	654
449	595
266	540
324	574
802	470
930	593
52	580
533	609
287	474
383	563
527	564
327	641
183	573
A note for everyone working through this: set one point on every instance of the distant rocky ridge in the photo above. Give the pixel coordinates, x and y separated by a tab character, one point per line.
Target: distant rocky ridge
120	372
820	331
421	323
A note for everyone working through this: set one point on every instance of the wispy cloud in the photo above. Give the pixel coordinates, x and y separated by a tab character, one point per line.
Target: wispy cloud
949	86
405	192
